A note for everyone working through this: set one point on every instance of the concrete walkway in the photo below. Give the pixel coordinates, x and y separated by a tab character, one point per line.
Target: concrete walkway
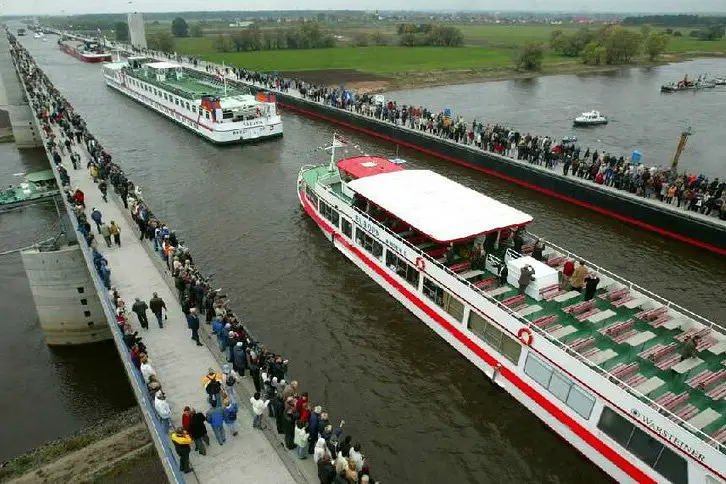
179	363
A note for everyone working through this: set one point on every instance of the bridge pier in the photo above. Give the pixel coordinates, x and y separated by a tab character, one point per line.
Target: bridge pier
14	101
65	297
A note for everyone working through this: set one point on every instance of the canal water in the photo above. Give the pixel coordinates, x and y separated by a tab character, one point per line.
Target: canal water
422	412
47	392
641	118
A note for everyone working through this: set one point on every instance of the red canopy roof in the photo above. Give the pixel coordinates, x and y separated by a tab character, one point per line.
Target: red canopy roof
362	166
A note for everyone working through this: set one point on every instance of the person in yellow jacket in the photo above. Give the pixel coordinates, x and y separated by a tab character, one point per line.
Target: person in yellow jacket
183	446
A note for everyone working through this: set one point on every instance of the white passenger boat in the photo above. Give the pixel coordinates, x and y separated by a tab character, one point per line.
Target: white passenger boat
207	105
606	374
592	118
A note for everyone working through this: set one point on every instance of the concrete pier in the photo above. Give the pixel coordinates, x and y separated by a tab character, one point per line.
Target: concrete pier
13	100
69	310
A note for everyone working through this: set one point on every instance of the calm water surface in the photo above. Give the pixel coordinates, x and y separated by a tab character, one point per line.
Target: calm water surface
641	118
422	412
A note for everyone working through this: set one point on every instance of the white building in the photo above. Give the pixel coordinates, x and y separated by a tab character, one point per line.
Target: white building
137	32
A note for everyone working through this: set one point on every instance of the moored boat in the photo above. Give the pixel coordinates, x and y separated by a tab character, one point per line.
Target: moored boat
87	51
36	185
686	85
207	105
591	118
606	373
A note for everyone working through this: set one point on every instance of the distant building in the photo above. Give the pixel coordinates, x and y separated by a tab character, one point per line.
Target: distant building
137	31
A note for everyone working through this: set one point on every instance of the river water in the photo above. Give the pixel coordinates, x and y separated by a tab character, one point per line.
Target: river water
421	411
641	118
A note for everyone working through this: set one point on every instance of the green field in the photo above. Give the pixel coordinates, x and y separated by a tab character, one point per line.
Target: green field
487	48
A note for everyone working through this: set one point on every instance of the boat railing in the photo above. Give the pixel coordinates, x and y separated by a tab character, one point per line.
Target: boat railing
635	287
603	372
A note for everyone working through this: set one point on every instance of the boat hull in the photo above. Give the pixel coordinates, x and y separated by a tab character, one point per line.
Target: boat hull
257	133
585	124
97	58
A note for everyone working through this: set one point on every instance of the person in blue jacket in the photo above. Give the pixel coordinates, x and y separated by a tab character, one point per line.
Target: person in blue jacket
215	417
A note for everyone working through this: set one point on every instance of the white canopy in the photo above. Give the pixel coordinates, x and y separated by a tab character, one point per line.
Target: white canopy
162	65
436	206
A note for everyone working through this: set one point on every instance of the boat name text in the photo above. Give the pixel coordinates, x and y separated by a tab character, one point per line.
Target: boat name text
673	439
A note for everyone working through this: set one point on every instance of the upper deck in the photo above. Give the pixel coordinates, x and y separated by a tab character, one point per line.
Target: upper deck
626	333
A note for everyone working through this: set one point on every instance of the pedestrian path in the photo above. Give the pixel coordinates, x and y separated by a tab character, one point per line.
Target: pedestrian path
179	363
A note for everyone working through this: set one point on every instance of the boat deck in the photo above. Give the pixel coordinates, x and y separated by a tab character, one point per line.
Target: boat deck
192	85
634	338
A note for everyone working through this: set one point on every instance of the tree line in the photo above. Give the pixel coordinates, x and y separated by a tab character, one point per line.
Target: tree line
610	45
675	20
307	35
434	35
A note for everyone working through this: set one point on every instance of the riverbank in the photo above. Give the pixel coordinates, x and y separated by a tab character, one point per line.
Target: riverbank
94	452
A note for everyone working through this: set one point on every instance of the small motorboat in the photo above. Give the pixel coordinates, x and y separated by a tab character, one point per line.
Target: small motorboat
686	85
720	81
569	139
592	118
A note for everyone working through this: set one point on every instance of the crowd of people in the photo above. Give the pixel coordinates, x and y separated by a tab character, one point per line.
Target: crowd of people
696	193
305	425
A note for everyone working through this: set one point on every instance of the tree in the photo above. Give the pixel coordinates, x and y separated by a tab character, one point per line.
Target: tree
122	31
531	56
655	44
360	40
378	38
622	44
223	43
677	33
179	27
162	41
594	54
196	30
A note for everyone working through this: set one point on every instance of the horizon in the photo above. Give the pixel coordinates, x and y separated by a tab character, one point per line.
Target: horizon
32	9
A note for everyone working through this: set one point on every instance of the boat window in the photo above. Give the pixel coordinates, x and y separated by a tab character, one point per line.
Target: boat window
433	291
346	227
453	306
559	385
187	106
176	101
647	448
329	213
312	197
508	347
369	243
227	114
206	114
405	270
194	108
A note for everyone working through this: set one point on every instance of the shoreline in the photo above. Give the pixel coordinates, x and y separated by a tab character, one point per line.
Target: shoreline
427	79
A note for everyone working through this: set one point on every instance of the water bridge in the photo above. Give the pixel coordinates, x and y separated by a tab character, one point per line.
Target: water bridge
70	294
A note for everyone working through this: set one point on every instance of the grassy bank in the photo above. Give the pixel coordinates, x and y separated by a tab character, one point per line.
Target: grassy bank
487	54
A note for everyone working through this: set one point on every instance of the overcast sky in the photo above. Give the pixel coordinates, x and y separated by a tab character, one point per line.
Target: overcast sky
41	7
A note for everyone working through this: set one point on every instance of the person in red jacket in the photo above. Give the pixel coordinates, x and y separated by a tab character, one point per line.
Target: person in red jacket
79	197
567	270
186	418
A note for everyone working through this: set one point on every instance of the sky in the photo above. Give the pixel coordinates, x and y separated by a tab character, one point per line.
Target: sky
68	7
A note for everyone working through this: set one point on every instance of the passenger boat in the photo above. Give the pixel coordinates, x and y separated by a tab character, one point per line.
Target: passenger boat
200	102
592	118
605	374
37	185
720	81
21	32
87	51
686	85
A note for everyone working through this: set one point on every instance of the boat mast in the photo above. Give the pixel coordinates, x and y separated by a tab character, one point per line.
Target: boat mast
679	150
331	166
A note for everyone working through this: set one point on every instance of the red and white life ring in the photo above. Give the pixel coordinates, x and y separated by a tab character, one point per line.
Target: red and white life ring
420	263
525	336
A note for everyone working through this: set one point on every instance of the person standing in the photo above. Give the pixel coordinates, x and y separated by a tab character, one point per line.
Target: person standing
230	416
193	324
301	440
258	409
96	217
198	431
103	187
105	232
591	282
183	446
215	417
116	232
525	277
577	281
163	410
230	379
140	308
156	304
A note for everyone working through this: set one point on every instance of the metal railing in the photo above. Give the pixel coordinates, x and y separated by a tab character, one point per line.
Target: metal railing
142	394
604	373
